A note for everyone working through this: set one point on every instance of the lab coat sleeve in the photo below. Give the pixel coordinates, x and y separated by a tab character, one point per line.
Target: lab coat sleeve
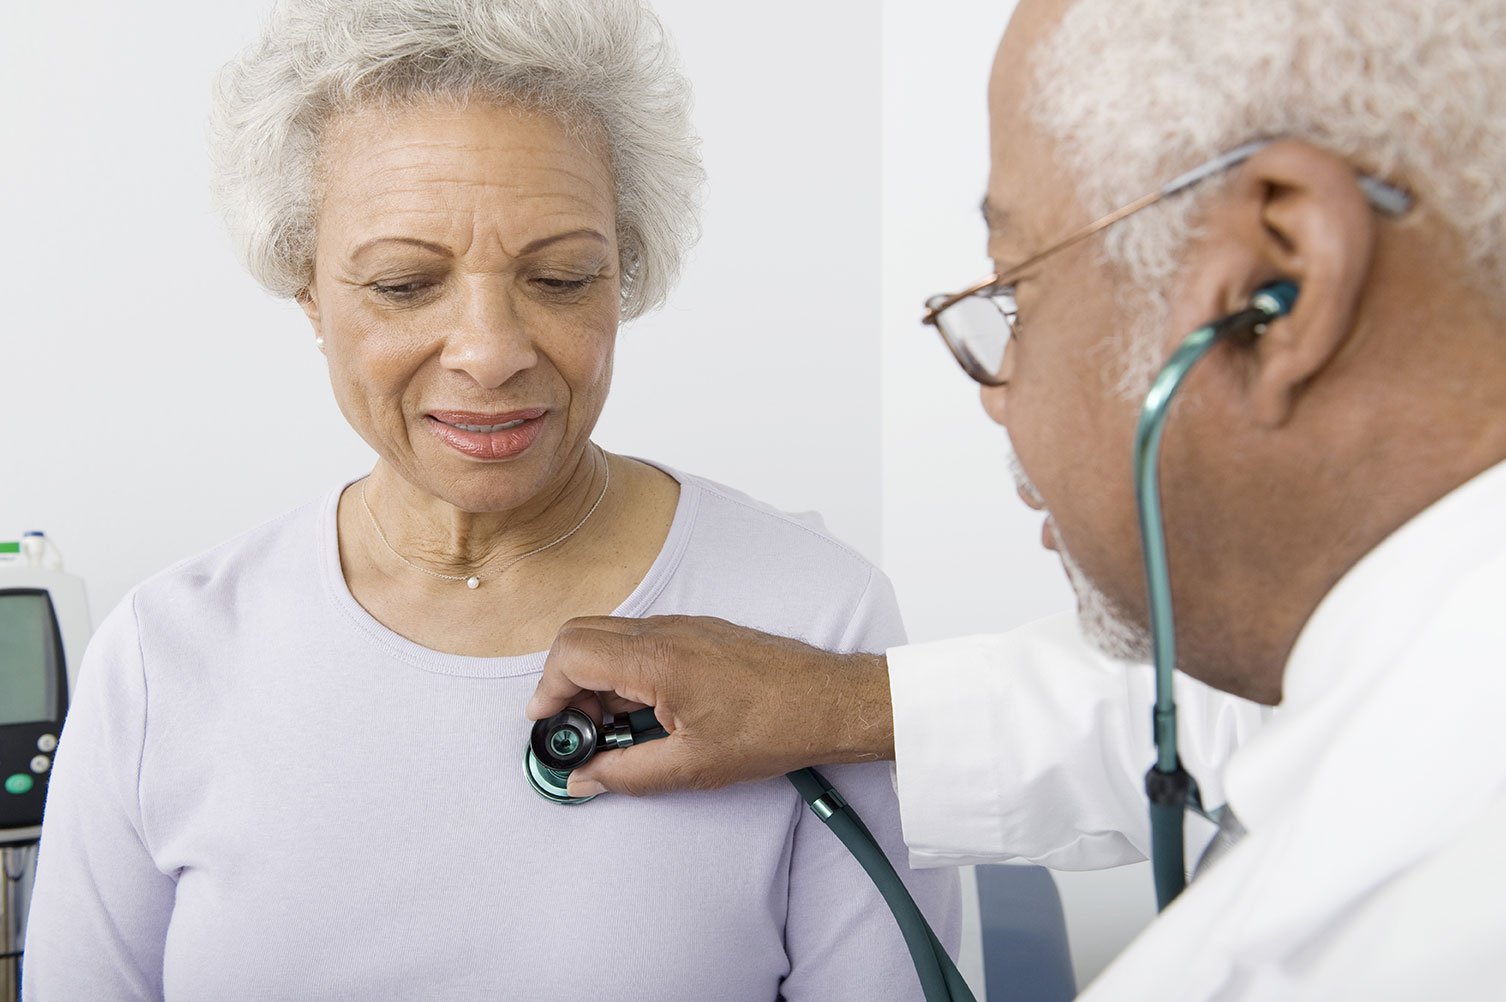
100	907
841	938
1032	746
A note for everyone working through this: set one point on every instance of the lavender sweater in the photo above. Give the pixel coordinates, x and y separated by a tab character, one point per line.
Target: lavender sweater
263	793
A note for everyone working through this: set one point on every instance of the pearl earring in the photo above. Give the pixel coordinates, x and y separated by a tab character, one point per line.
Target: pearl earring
319	342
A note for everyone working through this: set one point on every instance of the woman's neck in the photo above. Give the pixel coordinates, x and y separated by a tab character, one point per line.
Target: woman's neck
427	531
520	609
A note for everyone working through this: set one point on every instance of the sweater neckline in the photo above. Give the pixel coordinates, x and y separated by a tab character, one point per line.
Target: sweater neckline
396	646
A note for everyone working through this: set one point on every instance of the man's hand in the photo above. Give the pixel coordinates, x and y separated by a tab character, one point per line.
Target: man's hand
739	705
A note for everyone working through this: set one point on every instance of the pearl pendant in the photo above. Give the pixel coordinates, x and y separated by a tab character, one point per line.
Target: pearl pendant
473	582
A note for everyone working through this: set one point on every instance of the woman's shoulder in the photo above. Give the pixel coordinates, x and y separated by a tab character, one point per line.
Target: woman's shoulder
740	522
282	552
749	562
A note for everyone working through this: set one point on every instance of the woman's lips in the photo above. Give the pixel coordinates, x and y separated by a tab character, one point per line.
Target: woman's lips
487	436
1048	534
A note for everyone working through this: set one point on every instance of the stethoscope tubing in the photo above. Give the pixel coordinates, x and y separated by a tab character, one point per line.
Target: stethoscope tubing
940	980
1168	785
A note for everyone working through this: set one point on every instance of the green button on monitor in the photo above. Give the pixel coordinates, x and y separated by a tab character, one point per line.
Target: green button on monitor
19	783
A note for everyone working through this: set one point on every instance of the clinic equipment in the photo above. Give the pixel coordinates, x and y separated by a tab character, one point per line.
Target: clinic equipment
568	739
44	625
1170	789
1168	785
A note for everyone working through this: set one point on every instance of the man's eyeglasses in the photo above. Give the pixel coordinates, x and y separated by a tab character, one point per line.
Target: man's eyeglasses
978	322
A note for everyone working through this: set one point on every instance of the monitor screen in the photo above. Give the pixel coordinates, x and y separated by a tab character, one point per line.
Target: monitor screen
28	658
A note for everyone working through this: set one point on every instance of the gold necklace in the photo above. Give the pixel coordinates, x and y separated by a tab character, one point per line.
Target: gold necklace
473	581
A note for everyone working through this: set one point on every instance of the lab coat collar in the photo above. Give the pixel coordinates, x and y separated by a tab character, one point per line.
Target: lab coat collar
1390	727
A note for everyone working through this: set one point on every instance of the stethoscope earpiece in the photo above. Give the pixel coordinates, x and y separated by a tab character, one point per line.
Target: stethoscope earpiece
1274	300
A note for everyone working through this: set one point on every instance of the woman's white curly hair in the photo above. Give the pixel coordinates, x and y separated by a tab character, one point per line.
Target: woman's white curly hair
602	67
1133	92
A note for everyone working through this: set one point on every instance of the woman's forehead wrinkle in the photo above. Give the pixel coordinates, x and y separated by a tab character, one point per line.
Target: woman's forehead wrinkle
509	210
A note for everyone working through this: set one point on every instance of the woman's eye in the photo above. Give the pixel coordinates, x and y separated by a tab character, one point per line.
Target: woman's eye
554	284
400	291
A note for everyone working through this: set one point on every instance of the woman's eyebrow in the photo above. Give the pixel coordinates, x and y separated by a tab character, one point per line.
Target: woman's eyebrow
529	248
543	242
440	249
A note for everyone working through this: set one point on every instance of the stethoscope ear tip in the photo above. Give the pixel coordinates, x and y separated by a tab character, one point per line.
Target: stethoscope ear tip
1275	299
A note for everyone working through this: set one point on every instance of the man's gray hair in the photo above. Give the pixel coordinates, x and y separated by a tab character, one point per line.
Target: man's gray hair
602	67
1133	92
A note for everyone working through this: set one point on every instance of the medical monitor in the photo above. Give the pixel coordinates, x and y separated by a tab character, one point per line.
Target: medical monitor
44	624
31	658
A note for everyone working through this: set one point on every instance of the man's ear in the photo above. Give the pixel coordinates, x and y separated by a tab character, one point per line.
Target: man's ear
1294	211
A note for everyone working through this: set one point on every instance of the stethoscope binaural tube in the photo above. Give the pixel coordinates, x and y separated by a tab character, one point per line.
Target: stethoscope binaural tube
1167	785
567	740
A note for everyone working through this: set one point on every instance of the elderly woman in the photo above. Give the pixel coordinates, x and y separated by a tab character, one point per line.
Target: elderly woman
293	769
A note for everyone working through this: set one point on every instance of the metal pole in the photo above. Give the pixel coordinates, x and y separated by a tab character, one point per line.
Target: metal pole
16	862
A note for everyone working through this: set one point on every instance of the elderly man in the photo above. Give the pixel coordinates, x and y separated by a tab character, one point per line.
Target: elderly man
1333	486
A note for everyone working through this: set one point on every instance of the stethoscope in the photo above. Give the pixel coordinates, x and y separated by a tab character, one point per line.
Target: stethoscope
566	741
1169	787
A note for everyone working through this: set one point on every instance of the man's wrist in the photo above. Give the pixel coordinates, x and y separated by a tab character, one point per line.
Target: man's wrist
859	717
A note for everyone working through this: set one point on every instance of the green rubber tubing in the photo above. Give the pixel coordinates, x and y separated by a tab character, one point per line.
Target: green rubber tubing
1168	857
1168	851
939	977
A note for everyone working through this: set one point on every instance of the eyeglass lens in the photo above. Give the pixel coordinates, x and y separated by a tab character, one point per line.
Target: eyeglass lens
978	328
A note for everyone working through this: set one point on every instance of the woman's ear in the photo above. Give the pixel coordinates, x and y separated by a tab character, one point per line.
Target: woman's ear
310	305
1294	211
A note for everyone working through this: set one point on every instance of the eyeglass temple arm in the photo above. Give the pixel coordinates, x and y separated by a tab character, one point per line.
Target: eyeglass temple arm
1384	197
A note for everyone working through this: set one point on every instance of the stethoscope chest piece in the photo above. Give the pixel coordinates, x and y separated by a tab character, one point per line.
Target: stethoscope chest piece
548	783
555	747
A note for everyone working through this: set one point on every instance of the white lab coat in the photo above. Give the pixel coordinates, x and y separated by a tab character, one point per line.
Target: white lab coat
1375	799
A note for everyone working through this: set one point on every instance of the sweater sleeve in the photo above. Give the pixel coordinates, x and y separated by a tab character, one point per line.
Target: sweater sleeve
842	940
1047	750
100	908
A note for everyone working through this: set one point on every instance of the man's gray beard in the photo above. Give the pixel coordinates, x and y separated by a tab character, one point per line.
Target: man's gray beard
1104	623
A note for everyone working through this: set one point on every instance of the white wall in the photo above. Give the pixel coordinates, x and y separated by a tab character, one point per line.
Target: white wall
963	550
155	402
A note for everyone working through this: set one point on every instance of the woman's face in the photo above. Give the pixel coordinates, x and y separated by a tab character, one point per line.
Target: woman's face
466	286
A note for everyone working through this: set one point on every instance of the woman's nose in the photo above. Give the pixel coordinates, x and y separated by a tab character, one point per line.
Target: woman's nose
490	341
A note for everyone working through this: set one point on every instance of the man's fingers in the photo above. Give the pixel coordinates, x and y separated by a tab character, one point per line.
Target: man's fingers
651	767
587	659
612	703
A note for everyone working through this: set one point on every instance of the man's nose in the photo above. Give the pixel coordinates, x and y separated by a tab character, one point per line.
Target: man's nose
993	399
